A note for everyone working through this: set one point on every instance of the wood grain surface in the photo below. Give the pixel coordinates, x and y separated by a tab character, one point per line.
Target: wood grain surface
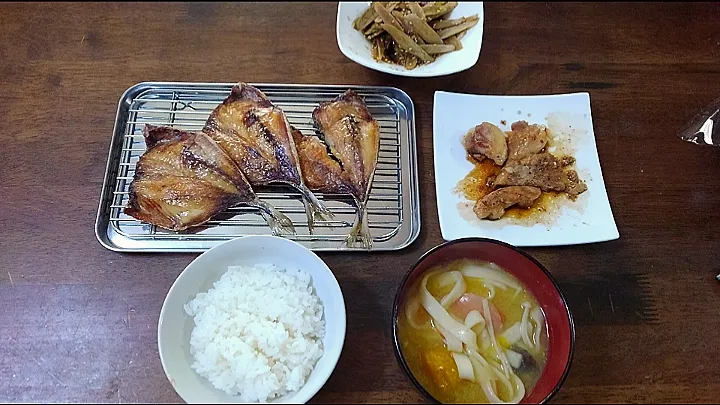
78	322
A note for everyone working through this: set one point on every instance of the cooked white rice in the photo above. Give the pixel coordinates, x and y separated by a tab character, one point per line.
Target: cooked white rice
258	332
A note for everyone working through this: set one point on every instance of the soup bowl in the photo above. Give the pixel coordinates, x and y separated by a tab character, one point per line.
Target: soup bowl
533	276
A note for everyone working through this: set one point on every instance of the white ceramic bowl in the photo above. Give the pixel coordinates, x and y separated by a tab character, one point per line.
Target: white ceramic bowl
175	326
353	44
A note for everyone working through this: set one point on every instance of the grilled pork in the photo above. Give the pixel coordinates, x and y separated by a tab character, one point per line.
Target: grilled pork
525	140
486	140
542	170
493	205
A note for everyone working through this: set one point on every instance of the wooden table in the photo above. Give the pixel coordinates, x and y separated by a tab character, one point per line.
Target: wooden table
78	322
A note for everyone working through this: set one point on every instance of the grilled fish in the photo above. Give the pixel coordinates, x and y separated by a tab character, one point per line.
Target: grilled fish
185	178
256	135
345	162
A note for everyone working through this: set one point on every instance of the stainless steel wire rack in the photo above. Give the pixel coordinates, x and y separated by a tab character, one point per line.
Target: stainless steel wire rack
393	206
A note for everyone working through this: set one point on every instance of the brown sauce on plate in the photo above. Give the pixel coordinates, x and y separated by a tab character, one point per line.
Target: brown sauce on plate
474	186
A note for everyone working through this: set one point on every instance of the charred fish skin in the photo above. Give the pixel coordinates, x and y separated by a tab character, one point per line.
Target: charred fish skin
321	172
184	179
200	150
258	137
353	138
174	187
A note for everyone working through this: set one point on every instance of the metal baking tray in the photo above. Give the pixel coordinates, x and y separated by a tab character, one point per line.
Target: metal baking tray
394	204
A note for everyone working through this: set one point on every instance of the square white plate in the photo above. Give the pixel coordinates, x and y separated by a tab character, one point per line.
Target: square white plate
567	116
353	44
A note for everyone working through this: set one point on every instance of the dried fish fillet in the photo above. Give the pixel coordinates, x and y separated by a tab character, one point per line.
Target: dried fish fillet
256	135
345	160
185	178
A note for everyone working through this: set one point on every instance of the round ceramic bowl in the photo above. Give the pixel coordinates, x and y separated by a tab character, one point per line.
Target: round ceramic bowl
175	326
532	274
353	44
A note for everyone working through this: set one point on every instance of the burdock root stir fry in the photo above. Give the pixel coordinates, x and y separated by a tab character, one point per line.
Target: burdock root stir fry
411	34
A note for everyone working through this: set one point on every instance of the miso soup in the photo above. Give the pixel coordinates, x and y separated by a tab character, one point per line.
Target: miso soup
470	332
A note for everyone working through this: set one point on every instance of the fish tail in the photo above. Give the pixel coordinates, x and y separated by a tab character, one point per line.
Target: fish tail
319	209
310	213
360	229
278	222
314	208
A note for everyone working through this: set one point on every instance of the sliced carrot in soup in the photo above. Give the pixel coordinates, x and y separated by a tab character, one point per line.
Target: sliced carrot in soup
471	302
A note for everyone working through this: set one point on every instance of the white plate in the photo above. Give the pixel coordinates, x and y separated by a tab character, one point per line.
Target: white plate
588	219
353	44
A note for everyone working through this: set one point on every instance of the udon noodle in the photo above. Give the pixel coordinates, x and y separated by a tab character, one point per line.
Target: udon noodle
470	332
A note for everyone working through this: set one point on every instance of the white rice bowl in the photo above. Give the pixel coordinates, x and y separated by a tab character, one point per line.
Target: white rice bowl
258	332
